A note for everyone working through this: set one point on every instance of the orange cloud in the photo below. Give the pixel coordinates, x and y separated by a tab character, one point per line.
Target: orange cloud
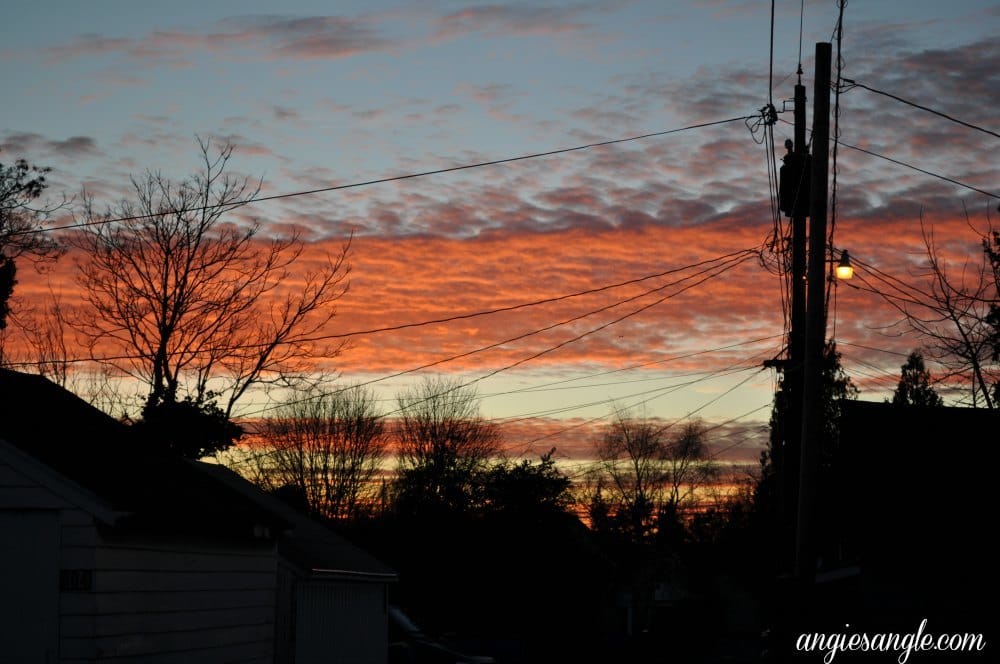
404	280
398	281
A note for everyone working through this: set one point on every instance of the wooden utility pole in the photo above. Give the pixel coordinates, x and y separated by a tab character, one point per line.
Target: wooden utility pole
813	425
797	191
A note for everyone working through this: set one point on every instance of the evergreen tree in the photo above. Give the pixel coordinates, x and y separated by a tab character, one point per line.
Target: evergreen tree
914	387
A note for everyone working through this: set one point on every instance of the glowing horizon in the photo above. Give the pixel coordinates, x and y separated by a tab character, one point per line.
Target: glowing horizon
313	101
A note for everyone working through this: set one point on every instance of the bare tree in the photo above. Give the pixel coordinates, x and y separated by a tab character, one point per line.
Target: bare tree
328	448
643	475
442	442
688	466
953	315
630	468
46	337
196	307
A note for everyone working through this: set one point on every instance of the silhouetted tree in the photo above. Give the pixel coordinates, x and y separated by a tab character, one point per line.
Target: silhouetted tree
507	556
688	466
328	447
201	307
21	224
45	333
187	428
914	388
726	526
523	489
991	248
443	443
643	476
835	388
958	317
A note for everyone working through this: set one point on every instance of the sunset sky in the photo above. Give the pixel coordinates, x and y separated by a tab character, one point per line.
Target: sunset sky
327	94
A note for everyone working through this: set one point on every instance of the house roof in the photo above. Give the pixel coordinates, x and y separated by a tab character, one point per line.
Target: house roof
151	492
155	491
309	543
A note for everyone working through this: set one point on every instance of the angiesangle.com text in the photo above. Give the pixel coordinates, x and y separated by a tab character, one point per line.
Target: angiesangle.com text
904	644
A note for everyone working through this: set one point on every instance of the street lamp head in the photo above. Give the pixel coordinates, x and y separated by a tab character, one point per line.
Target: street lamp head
844	269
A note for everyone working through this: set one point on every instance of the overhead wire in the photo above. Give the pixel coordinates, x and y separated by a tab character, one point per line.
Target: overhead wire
655	394
802	14
687	417
393	178
523	448
725	268
899	162
714	271
768	117
770	69
642	365
892	281
831	281
908	293
733	369
737	418
852	84
552	386
404	326
871	348
923	325
896	301
904	164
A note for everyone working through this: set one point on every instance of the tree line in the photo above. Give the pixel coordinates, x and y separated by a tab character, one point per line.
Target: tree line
185	297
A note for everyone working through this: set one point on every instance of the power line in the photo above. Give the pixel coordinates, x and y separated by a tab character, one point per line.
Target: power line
878	350
890	298
730	262
854	84
524	447
550	300
679	357
726	265
899	162
436	321
839	33
890	280
770	70
551	386
393	178
881	373
732	369
592	386
708	403
921	170
730	421
928	302
802	14
656	394
725	268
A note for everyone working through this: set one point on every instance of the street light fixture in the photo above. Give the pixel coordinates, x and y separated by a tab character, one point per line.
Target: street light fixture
844	269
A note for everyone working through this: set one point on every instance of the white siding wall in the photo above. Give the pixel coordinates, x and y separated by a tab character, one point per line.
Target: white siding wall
174	602
149	600
32	522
